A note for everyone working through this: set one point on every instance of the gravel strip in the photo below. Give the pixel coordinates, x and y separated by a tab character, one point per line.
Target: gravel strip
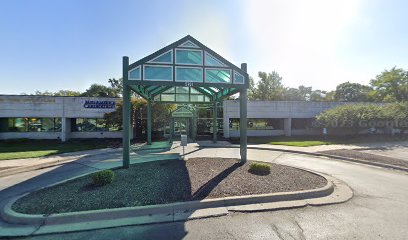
367	156
166	182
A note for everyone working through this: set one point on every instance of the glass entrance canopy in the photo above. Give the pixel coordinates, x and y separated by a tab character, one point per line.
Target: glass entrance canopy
185	71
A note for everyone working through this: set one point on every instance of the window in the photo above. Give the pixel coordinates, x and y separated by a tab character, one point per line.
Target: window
184	74
30	124
189	57
134	74
302	123
188	44
217	75
210	60
238	78
166	57
92	125
158	73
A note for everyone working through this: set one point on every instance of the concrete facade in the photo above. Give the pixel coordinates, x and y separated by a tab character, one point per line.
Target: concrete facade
286	110
66	108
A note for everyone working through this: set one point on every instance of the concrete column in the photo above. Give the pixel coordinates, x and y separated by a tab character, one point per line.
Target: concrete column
225	120
65	129
287	126
126	115
149	122
215	122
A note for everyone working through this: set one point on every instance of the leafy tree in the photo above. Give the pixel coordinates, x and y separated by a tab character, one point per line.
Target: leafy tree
98	90
269	87
67	93
352	92
116	85
251	89
390	86
318	95
59	93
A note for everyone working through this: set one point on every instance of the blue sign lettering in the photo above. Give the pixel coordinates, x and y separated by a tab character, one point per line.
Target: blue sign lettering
99	104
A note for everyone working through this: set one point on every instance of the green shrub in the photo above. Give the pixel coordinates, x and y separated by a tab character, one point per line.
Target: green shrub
103	177
260	168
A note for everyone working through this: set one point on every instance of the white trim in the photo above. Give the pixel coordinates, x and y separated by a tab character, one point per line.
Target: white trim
219	69
195	45
194	50
140	73
171	61
166	66
216	59
194	81
235	72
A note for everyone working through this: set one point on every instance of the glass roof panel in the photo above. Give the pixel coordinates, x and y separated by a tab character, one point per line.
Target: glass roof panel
189	57
182	98
171	90
238	78
158	73
197	98
210	60
189	44
166	57
168	97
217	76
184	74
134	74
182	89
194	91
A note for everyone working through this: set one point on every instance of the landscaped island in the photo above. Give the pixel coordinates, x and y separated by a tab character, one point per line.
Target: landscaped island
168	181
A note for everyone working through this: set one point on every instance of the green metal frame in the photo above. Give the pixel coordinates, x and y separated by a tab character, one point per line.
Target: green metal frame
216	92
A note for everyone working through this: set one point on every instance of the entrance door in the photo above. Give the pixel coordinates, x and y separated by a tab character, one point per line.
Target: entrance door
182	126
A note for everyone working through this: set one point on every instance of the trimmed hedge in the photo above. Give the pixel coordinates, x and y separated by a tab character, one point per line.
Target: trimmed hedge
103	177
260	168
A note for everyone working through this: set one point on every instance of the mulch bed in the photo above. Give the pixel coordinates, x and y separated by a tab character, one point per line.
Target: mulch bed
367	156
166	182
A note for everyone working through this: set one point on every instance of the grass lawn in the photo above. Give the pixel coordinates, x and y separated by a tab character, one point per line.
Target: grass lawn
24	148
308	141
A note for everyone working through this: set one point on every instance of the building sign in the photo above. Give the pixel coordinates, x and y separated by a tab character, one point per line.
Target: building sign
99	104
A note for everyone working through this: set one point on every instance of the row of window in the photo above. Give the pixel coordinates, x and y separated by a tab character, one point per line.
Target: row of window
92	125
30	124
185	74
54	125
272	123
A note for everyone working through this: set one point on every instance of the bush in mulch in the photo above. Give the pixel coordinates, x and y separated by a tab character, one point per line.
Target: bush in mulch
102	178
260	168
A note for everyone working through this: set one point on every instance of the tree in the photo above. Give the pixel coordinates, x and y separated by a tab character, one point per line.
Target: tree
352	92
98	90
390	86
251	88
116	85
269	87
67	93
350	116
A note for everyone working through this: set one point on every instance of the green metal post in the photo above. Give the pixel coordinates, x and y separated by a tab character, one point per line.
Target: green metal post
215	122
126	114
149	122
171	129
243	96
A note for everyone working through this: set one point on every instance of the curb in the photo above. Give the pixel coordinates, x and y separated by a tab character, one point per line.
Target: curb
179	211
384	165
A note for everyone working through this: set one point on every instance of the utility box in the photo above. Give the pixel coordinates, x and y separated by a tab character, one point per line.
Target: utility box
183	140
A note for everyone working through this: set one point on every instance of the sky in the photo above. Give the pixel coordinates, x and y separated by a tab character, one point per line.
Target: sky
70	44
